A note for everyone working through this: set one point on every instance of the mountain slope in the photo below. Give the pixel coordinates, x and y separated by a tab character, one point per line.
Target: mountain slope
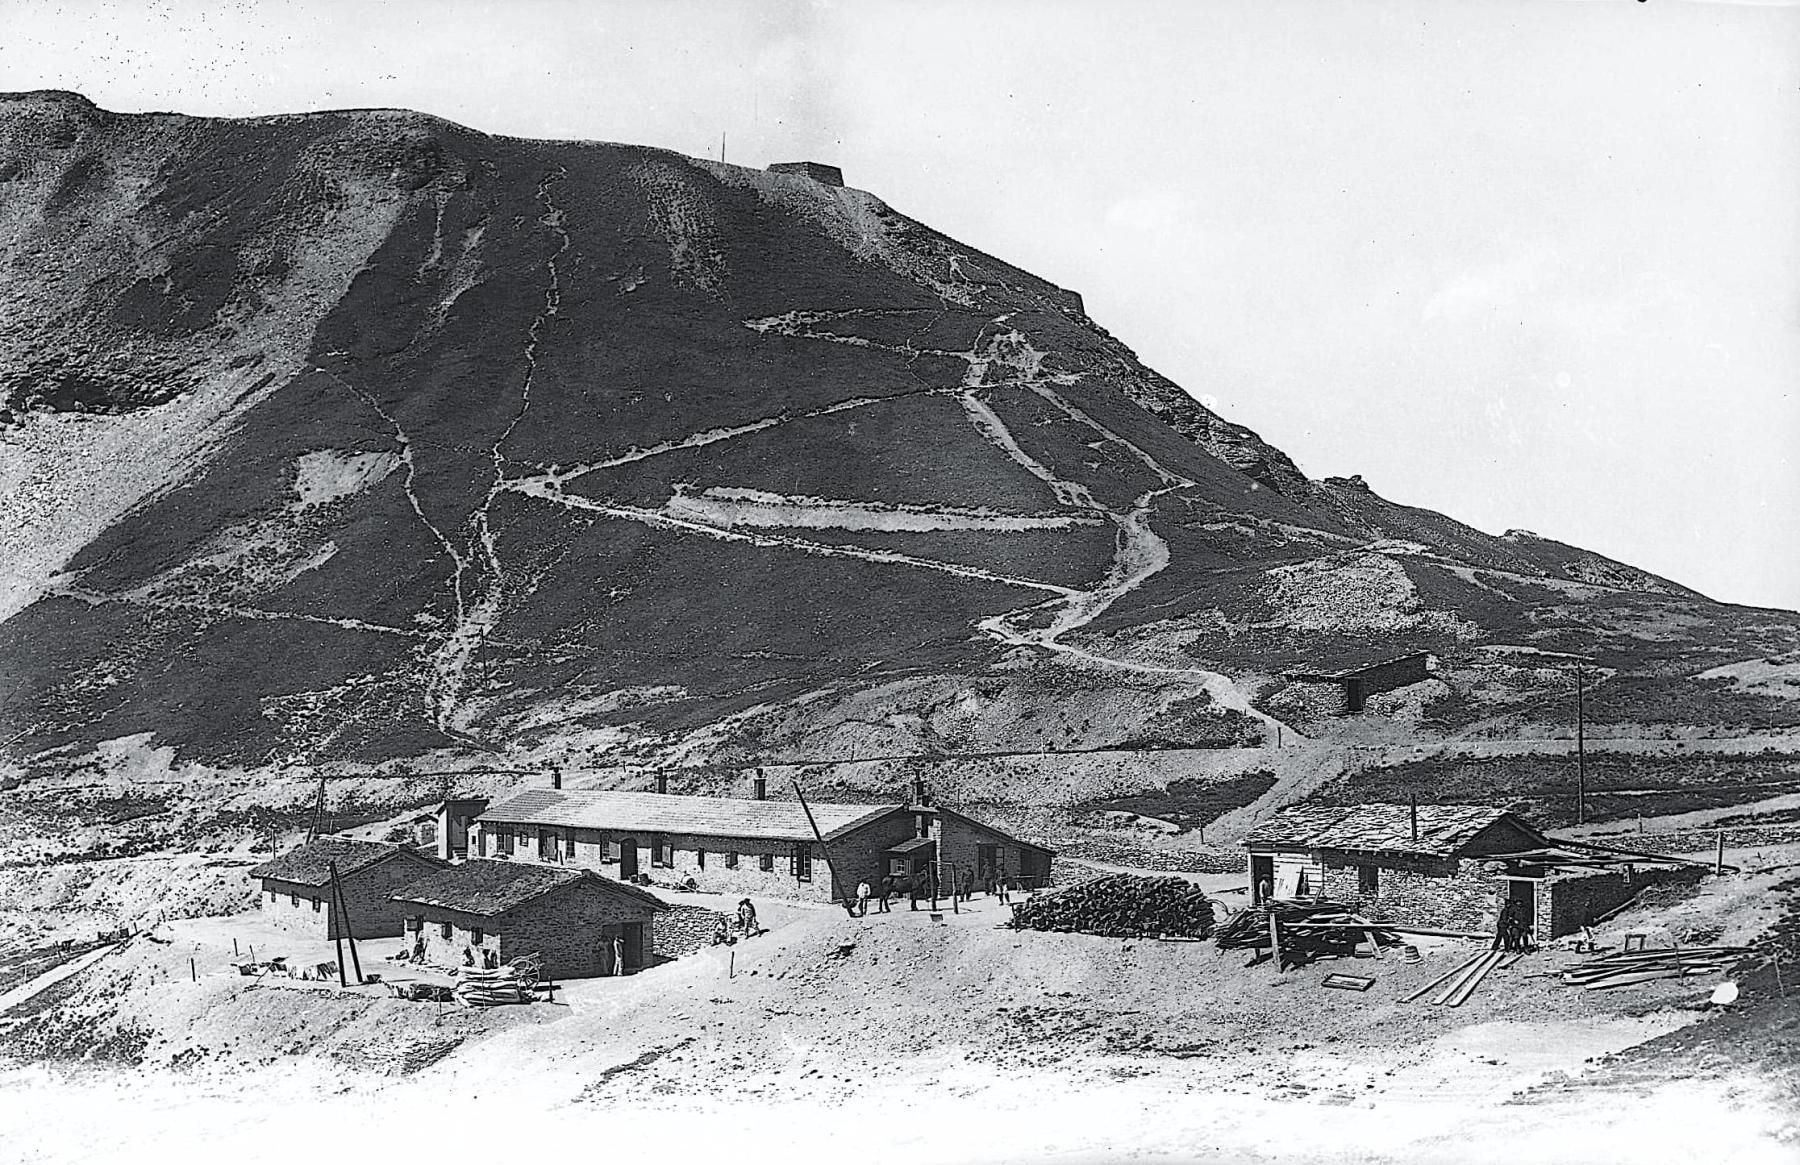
357	435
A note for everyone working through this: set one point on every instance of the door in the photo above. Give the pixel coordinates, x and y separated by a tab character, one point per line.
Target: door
634	945
628	866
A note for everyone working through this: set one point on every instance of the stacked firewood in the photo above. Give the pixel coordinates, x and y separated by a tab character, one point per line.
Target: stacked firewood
514	982
1623	968
1121	906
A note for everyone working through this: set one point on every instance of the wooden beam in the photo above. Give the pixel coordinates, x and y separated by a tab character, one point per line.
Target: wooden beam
1442	979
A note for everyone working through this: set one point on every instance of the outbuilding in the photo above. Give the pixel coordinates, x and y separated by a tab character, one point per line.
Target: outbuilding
1452	866
296	887
489	911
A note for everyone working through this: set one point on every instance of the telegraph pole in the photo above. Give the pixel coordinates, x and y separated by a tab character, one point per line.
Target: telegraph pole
1580	749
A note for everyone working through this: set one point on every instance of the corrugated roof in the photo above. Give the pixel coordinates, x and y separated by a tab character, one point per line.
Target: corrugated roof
1378	828
488	887
310	864
672	813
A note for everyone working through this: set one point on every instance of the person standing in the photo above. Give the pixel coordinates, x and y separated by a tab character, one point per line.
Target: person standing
618	954
747	918
862	898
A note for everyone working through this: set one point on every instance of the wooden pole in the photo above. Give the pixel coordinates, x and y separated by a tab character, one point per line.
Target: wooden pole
824	851
193	970
1719	858
1275	942
343	912
337	931
1580	750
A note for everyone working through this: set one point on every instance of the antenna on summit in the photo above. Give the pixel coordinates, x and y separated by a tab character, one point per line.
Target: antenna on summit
721	146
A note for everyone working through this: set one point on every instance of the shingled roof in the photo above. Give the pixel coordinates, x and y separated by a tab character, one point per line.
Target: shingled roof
488	888
1444	830
310	864
671	813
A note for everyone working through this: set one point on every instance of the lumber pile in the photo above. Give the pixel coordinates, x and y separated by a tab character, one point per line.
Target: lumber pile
1624	968
1308	930
507	983
1121	906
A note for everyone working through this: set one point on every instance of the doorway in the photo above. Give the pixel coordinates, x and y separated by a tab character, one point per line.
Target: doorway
628	860
1262	877
1524	893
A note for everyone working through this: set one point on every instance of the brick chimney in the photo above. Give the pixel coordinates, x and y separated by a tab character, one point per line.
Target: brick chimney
760	786
555	777
662	782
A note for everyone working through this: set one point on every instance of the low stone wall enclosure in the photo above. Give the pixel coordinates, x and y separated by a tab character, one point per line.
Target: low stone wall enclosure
682	930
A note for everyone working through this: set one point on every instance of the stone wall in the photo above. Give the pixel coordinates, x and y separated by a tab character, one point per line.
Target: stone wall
306	910
1450	895
1568	903
1385	677
682	930
571	929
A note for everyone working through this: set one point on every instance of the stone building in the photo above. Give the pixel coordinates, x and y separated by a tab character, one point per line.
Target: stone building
1345	692
754	846
1449	866
296	889
817	171
567	917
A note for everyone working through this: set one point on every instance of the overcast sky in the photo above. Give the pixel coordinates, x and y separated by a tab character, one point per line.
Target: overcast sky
1532	264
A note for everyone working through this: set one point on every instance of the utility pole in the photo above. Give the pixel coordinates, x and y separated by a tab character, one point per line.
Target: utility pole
340	922
318	817
1580	749
824	854
333	923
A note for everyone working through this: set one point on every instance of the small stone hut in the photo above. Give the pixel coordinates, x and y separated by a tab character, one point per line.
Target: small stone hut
1345	692
1449	866
296	887
568	917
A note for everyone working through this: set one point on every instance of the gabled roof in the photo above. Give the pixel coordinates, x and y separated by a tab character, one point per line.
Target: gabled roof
672	813
488	887
1444	830
310	864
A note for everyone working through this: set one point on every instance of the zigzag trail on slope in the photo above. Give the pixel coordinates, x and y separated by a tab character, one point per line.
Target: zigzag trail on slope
1140	552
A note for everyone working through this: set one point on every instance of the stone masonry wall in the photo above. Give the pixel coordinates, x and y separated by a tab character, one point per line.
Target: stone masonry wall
682	930
1449	896
1565	905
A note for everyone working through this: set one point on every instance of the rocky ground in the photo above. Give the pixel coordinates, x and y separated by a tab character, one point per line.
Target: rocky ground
902	1036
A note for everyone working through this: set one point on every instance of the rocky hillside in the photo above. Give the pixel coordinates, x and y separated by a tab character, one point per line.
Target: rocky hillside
355	437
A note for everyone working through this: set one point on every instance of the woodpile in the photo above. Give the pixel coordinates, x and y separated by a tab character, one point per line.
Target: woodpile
1624	968
1121	906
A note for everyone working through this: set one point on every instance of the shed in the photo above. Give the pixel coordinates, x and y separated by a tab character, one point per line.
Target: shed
1345	692
817	171
1417	864
296	891
570	918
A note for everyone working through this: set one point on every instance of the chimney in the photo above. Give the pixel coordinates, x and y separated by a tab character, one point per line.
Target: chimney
662	782
555	777
918	790
760	786
1415	816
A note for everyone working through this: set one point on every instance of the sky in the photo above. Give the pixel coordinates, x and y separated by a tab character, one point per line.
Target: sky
1532	264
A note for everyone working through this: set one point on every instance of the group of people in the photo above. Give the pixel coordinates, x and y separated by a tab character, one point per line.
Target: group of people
744	924
1514	930
959	885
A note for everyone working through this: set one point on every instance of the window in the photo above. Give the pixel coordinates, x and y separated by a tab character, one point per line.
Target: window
475	935
700	857
897	868
731	859
662	853
293	899
414	922
802	862
612	850
445	930
569	847
765	862
503	839
547	845
1368	879
315	903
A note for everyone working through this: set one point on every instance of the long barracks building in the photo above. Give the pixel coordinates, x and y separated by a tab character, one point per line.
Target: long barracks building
732	845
